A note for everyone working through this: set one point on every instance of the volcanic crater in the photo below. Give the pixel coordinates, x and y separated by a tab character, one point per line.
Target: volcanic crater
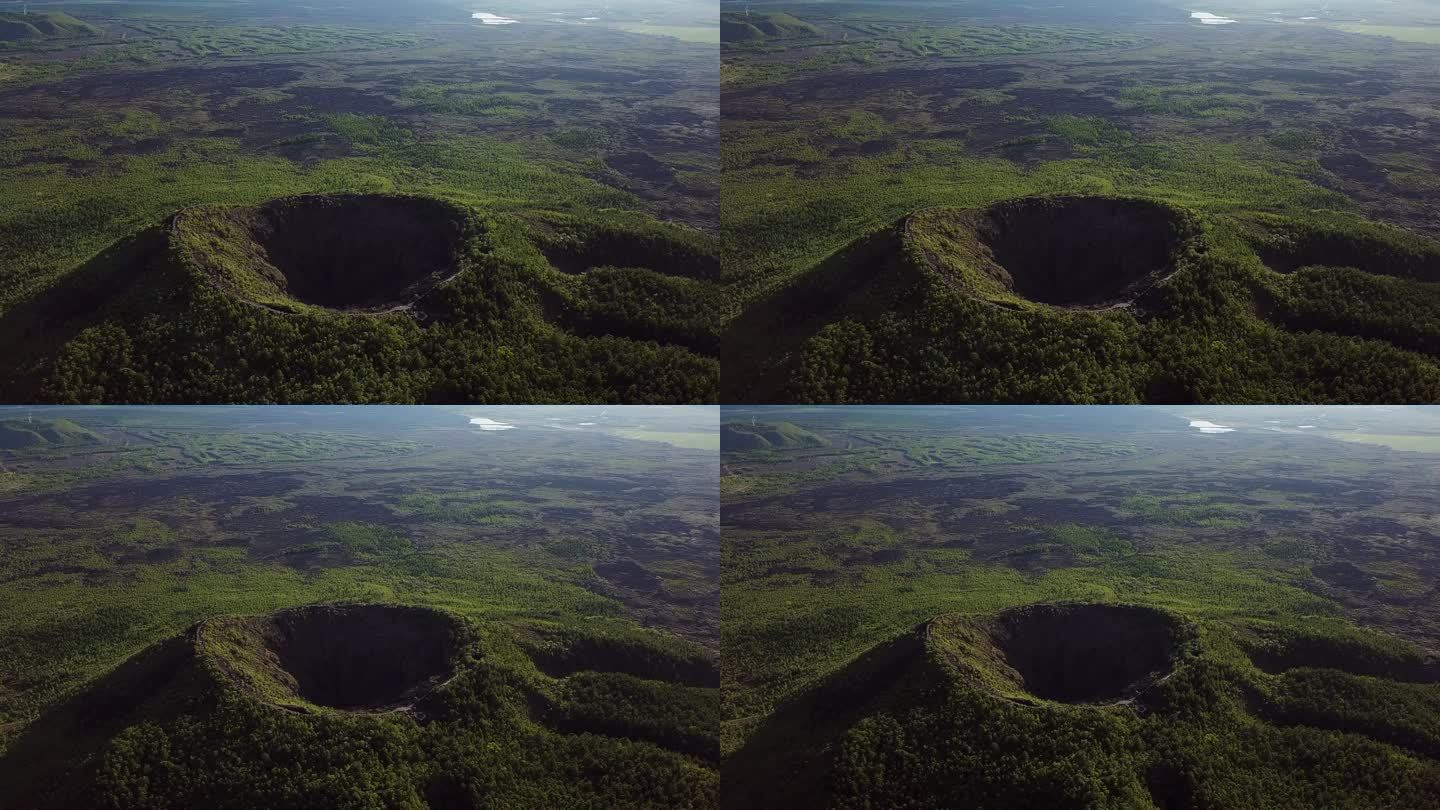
1081	251
365	252
1070	652
1077	252
358	658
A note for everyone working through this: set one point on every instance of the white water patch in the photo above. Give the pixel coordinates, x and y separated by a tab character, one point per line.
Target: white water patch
1306	427
487	18
587	424
1206	18
1309	18
490	424
1210	427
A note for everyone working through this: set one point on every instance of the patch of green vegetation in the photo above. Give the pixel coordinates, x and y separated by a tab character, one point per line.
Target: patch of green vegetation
1200	100
581	138
42	25
1408	442
369	541
573	548
476	100
470	508
27	434
1195	509
740	437
1087	541
370	130
1289	548
977	41
760	27
685	33
1297	140
1087	130
696	441
1423	34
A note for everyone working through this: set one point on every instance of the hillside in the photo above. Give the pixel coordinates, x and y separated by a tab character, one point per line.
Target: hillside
1099	298
1095	705
1083	607
1065	203
757	27
740	437
429	709
460	628
37	26
377	298
30	433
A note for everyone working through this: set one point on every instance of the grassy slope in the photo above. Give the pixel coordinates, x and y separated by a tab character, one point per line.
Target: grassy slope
736	436
23	434
757	27
42	26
